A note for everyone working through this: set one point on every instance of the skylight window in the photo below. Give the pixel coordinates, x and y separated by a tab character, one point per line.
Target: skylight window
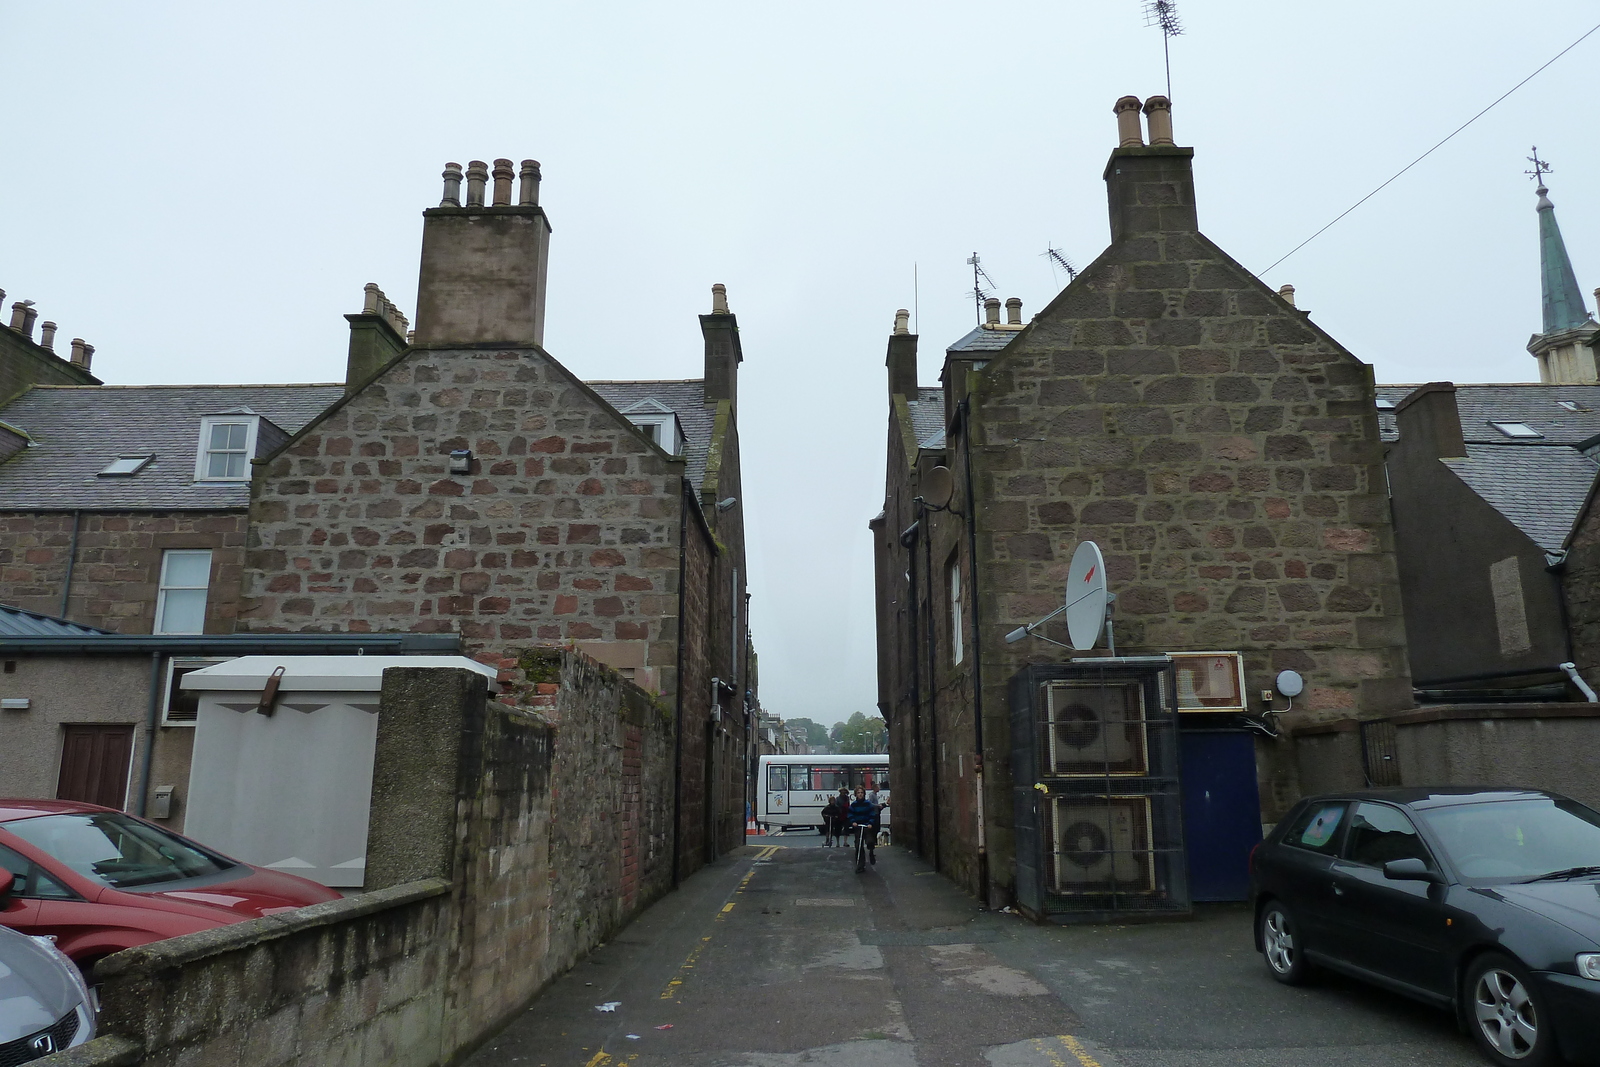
1385	405
1570	405
1516	429
125	465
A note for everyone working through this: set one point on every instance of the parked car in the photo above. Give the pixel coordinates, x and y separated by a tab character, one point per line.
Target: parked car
1482	901
98	880
44	1004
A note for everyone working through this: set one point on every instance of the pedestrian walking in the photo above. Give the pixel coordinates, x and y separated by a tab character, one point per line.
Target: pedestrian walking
832	822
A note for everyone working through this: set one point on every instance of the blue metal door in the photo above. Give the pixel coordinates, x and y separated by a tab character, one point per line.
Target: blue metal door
1221	811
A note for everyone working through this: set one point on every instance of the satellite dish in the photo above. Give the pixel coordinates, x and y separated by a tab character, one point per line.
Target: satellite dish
1086	596
938	486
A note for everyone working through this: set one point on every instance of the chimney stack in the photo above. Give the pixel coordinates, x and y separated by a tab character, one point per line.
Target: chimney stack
1158	111
1149	189
1014	311
723	352
47	336
483	271
991	311
902	358
377	335
1129	135
1428	418
81	353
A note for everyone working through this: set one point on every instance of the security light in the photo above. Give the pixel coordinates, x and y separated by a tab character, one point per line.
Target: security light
461	461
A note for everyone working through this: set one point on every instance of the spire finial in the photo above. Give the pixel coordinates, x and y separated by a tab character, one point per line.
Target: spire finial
1540	169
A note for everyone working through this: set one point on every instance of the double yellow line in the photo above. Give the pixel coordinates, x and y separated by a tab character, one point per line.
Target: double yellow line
671	991
1047	1049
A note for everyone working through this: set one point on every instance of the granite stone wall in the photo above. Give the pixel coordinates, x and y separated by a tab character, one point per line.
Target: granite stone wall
117	569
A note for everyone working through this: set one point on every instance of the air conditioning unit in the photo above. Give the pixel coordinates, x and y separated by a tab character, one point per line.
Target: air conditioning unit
1095	728
1102	844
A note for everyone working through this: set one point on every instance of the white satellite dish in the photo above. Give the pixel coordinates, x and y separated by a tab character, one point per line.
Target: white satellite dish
1086	596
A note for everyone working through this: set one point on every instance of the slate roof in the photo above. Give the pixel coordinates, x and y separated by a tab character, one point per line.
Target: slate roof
1533	403
983	339
927	416
1541	490
687	398
15	622
77	430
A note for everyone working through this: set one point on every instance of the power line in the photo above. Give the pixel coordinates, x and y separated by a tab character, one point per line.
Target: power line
1432	150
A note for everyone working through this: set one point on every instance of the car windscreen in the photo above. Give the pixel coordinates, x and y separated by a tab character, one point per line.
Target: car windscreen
1514	840
115	850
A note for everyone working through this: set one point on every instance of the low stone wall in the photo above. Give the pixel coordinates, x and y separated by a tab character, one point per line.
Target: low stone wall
1537	746
503	845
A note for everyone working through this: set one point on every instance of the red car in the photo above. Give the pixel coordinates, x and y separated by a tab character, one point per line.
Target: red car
99	880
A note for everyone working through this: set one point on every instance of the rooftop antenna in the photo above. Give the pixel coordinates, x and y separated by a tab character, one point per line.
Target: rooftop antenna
1540	167
1059	258
1164	13
979	276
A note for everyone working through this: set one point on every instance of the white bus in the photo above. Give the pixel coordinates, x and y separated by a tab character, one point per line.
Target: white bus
793	790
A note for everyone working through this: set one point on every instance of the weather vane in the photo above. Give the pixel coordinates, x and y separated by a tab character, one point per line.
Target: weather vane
1540	167
1164	13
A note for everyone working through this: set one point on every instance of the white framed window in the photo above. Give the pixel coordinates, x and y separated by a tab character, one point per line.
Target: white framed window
1516	429
182	707
657	422
226	444
181	598
953	581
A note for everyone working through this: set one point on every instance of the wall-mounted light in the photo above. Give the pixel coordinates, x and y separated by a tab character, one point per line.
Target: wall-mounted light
724	505
461	461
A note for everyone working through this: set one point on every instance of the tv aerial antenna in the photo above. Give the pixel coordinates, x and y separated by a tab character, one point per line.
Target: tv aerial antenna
1059	259
1087	604
1164	13
979	277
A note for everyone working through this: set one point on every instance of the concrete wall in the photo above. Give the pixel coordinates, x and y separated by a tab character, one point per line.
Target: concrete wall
118	566
490	872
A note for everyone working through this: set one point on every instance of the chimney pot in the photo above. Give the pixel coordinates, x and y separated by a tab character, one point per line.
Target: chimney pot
1158	109
477	178
902	322
502	182
991	311
372	296
1129	135
77	352
19	314
29	314
47	336
452	185
1287	292
719	299
1014	311
528	194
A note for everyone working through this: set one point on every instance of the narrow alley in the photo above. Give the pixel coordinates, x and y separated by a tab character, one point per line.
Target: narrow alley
780	954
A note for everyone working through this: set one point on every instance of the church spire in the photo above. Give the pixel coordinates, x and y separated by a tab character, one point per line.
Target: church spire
1564	347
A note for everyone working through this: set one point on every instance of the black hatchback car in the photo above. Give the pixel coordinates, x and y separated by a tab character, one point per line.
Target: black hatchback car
1482	901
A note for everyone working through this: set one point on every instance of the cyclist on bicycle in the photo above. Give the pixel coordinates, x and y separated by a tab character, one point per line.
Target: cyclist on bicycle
863	819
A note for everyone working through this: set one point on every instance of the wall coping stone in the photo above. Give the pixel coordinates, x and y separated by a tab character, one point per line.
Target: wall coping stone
1471	712
108	1051
188	948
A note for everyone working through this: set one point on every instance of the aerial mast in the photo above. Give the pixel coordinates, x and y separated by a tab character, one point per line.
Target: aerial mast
1164	13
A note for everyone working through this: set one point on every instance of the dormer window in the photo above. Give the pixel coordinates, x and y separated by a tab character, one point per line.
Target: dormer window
226	444
659	423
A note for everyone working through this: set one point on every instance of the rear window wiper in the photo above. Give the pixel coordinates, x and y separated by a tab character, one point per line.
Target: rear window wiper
1570	872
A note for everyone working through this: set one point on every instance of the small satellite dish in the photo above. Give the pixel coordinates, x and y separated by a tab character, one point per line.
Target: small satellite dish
1086	596
938	486
1290	684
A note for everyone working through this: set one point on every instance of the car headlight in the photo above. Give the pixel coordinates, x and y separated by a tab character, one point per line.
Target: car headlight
1589	965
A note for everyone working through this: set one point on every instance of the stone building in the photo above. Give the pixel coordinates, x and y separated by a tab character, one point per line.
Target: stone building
1222	450
469	482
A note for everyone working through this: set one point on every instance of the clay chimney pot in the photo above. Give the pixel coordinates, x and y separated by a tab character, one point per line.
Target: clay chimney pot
502	182
991	311
528	194
371	299
902	320
1158	110
19	315
47	335
1014	311
1129	135
1287	292
477	179
452	185
719	299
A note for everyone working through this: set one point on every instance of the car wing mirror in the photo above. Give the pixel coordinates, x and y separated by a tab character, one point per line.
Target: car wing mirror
1410	870
8	882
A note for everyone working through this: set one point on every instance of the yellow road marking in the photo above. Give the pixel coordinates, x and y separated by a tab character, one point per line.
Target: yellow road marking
671	991
599	1057
1077	1049
1071	1044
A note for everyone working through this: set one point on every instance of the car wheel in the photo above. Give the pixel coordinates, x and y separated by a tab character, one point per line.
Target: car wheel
1506	1014
1281	945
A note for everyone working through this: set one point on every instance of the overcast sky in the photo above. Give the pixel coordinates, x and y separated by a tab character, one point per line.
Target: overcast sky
201	190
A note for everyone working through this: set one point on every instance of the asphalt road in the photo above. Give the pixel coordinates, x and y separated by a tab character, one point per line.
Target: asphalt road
780	955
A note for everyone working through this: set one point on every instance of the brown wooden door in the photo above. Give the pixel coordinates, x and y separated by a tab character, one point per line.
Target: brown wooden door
94	764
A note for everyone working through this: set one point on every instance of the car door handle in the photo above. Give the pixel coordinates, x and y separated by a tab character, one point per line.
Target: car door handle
1338	890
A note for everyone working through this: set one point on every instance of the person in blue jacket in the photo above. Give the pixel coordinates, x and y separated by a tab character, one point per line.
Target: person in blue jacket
863	816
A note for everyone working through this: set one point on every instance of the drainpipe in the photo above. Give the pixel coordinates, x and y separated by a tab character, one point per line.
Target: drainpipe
152	713
977	646
72	557
685	500
908	541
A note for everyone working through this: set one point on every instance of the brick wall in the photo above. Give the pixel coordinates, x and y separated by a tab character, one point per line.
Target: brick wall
118	566
564	530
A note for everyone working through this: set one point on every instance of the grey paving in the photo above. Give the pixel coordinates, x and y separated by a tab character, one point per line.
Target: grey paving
815	965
